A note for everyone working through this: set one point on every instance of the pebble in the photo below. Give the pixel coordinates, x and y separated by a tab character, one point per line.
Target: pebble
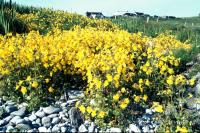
10	108
46	121
21	112
55	120
15	119
38	121
51	110
32	117
42	129
134	128
82	129
40	114
9	128
91	127
63	129
75	94
23	127
2	122
7	119
145	129
114	130
21	121
56	129
53	115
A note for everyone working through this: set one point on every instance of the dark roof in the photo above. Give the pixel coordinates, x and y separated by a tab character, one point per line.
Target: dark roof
89	13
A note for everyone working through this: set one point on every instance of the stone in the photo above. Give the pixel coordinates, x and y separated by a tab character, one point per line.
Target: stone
114	130
23	105
134	128
145	129
7	119
63	129
75	117
10	103
71	102
3	122
42	129
32	117
15	119
21	112
46	121
38	121
21	121
51	110
193	103
2	129
23	127
82	129
73	130
91	128
40	114
55	120
189	64
197	89
53	115
10	108
149	111
9	128
75	94
56	129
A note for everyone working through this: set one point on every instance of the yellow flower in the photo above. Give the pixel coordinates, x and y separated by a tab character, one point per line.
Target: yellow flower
94	113
181	129
123	90
126	100
123	105
147	83
170	80
192	81
34	84
23	90
82	109
109	77
136	98
51	90
47	80
20	82
116	97
158	108
89	110
28	78
101	114
145	97
106	83
17	87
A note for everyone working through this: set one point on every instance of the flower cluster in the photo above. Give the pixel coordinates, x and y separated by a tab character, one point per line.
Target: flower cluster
120	68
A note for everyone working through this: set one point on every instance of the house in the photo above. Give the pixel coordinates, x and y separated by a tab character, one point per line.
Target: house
129	14
139	14
95	15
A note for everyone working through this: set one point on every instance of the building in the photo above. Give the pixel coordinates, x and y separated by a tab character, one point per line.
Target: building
95	15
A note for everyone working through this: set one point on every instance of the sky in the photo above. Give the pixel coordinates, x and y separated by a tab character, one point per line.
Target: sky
178	8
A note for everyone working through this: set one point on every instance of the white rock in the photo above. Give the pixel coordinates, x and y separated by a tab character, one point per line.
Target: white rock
63	129
145	129
32	117
91	127
55	120
82	129
42	129
114	130
134	128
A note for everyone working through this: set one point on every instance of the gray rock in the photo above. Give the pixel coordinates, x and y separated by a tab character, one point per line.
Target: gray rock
53	115
40	114
2	129
23	127
7	119
134	128
23	105
49	130
114	130
38	121
2	123
56	129
9	128
15	119
75	117
73	130
21	112
75	94
82	129
32	117
21	121
91	128
42	129
46	121
10	103
190	64
71	102
26	118
10	108
63	129
51	110
55	120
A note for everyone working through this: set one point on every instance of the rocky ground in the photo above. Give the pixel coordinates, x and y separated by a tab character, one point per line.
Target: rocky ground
60	117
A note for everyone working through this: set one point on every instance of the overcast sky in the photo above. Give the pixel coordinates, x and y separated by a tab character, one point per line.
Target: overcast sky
179	8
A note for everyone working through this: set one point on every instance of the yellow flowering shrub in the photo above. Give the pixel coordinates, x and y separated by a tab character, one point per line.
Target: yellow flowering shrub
45	20
120	68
